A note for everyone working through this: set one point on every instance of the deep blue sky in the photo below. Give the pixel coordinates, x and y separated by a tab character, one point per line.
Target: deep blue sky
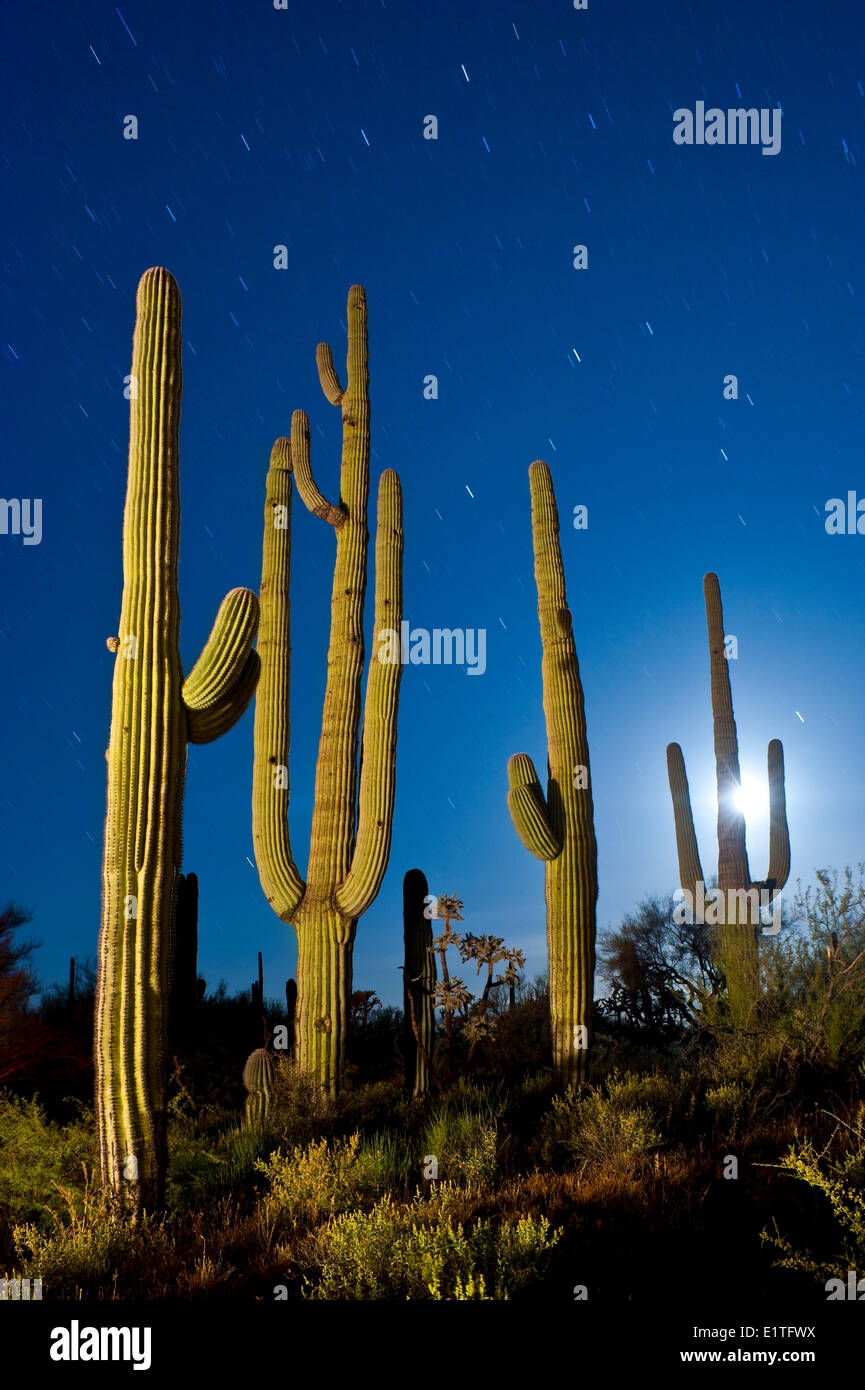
304	127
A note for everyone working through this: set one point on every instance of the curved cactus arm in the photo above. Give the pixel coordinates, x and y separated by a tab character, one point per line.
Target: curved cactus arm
529	810
327	374
203	726
282	884
732	854
378	757
690	869
225	652
313	500
779	833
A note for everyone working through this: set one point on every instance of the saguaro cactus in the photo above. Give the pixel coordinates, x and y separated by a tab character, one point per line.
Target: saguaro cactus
740	898
351	832
559	829
419	980
154	713
258	1080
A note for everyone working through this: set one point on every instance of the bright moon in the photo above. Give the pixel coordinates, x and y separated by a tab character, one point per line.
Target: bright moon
752	799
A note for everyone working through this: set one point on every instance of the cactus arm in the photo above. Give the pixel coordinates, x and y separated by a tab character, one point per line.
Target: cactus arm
313	500
333	819
203	726
282	884
779	833
378	757
327	374
528	809
225	652
733	869
690	869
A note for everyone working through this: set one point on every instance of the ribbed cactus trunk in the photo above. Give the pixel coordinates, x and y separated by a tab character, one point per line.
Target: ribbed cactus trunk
419	981
154	714
559	829
737	918
351	826
324	976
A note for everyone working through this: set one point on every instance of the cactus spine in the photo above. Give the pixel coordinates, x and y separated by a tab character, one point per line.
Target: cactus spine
737	913
419	981
154	714
258	1080
559	829
351	832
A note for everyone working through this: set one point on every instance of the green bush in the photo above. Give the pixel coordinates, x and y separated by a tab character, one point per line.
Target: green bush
38	1159
328	1176
725	1104
465	1144
609	1124
401	1253
84	1254
842	1183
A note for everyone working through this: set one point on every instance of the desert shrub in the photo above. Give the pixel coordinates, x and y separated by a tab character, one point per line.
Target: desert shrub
609	1124
85	1251
725	1104
401	1253
462	1134
37	1155
841	1180
325	1177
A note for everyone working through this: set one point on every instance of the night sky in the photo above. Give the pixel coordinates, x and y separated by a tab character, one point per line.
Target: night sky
304	127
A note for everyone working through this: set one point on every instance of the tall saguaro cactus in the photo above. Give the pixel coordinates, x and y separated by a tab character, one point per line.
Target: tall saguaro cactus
419	981
154	713
351	828
559	829
737	911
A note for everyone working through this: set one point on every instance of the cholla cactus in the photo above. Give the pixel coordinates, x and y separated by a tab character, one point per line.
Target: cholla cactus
511	976
451	995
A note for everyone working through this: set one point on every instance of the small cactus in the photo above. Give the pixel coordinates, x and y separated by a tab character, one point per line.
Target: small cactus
258	1080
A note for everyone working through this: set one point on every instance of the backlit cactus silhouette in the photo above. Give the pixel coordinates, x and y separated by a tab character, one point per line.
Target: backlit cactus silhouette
258	1080
351	829
419	982
559	829
154	713
737	912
